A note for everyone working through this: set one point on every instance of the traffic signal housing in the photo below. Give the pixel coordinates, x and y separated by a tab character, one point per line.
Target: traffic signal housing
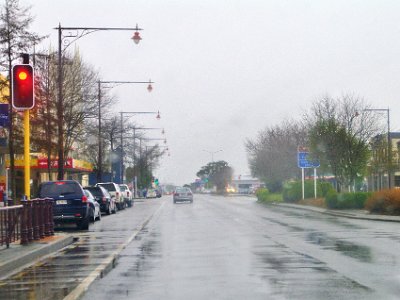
23	94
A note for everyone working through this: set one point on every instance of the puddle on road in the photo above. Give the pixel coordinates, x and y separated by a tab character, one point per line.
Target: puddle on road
359	252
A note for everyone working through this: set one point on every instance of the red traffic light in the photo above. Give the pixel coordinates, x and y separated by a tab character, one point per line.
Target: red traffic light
23	96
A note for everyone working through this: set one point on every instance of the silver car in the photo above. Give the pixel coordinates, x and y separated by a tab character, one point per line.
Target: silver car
183	194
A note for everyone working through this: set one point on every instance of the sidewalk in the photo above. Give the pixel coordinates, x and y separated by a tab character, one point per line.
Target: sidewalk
351	213
18	256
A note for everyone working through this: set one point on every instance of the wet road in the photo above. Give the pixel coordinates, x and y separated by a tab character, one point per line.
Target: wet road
234	248
61	273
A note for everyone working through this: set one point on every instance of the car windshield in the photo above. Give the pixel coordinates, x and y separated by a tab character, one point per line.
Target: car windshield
96	191
108	186
123	188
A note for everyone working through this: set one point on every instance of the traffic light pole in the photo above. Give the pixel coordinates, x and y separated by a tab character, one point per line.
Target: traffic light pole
27	155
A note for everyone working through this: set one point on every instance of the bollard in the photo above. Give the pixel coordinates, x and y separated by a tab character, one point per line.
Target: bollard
42	208
46	217
36	218
51	219
24	223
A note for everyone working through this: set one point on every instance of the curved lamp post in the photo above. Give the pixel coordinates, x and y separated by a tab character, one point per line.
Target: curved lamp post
79	33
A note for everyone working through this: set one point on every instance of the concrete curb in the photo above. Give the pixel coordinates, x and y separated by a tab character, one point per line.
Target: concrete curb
361	215
19	257
109	263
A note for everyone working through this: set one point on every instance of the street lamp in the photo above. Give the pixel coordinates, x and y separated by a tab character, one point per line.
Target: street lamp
389	141
212	153
80	32
121	136
114	83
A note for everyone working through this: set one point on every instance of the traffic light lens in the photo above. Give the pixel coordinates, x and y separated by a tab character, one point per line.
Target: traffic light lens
22	75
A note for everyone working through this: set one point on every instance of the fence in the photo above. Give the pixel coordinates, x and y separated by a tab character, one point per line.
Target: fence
30	221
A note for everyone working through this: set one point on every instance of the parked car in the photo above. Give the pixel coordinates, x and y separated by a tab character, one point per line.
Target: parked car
127	195
71	204
158	193
182	194
115	193
103	197
94	207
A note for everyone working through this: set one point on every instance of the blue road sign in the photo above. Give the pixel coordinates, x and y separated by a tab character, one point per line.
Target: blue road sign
4	118
303	162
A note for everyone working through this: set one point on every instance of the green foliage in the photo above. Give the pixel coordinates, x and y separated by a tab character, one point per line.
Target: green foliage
292	191
217	173
331	199
384	202
357	200
263	195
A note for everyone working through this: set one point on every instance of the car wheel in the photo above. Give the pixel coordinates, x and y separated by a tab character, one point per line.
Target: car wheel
92	217
84	224
115	209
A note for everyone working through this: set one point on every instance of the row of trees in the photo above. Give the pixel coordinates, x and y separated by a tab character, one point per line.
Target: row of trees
337	132
81	103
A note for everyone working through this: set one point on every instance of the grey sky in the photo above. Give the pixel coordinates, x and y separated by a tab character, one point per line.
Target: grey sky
225	70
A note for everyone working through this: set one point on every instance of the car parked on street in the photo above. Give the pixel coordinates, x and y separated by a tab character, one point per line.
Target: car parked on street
70	202
183	194
94	207
127	195
115	193
151	193
103	197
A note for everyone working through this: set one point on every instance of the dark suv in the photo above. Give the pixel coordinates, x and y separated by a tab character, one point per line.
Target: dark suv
103	197
70	202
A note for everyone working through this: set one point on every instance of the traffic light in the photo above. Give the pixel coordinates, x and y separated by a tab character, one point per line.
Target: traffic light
23	96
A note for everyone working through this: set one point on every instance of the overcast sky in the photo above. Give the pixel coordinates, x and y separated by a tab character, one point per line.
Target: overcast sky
226	69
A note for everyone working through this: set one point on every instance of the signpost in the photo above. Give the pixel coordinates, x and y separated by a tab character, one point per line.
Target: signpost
303	162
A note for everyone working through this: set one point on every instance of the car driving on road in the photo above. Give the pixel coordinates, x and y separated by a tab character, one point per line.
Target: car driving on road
183	194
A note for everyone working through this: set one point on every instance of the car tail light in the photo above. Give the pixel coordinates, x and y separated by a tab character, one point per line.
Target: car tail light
77	215
104	199
117	194
84	199
127	193
189	194
176	194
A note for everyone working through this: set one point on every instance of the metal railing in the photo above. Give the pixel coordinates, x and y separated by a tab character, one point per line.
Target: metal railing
30	221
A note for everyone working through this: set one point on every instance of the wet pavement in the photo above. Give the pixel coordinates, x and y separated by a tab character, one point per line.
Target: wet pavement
94	253
235	248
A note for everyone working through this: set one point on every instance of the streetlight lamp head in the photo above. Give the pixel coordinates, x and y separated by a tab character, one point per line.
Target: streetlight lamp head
136	37
149	87
158	115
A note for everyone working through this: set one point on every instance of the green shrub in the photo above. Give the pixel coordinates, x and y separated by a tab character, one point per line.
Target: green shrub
346	200
384	202
292	191
331	199
263	195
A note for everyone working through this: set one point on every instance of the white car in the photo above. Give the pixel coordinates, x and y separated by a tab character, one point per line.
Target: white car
127	194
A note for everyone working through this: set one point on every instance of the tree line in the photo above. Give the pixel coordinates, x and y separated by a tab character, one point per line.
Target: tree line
337	132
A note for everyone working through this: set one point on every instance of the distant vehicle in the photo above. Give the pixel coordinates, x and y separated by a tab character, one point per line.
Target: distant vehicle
183	194
103	197
94	207
151	193
71	204
115	193
158	193
127	195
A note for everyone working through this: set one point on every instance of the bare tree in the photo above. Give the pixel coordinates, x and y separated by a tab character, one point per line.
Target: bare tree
14	40
272	155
